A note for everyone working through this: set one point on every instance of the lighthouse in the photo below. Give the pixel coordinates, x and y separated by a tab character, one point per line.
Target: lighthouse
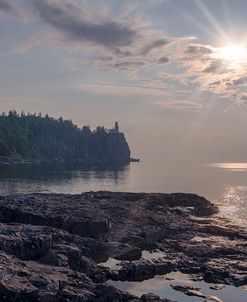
116	128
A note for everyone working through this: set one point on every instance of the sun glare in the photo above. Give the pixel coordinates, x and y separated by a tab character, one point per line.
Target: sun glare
235	54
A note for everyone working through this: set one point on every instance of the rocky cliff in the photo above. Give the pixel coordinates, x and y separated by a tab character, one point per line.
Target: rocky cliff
117	149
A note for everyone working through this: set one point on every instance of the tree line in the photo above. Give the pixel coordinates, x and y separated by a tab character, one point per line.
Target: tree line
33	136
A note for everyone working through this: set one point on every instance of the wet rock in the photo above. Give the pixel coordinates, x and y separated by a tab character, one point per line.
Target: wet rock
136	271
217	286
53	241
193	291
153	298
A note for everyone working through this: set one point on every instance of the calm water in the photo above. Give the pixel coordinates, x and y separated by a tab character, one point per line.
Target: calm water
160	286
222	183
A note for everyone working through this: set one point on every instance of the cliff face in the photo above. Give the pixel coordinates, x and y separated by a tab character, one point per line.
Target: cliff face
118	150
109	148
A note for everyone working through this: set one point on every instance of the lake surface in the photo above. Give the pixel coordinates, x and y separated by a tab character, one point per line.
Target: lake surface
222	183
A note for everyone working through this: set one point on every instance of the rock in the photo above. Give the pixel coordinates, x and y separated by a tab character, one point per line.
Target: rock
49	244
91	228
193	291
107	293
72	253
31	281
152	298
91	269
217	286
24	242
55	259
127	252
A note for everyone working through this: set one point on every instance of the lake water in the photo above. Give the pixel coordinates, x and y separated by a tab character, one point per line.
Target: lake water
222	183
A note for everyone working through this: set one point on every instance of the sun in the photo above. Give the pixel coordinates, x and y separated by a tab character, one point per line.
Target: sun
235	54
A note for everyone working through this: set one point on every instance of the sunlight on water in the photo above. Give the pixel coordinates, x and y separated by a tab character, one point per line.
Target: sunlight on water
234	201
235	167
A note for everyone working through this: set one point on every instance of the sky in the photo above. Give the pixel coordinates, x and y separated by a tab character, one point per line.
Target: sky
172	72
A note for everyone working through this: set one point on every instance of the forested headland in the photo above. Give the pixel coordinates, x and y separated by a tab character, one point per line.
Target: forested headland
33	137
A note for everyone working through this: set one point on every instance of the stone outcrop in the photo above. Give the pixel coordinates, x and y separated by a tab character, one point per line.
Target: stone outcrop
50	244
192	291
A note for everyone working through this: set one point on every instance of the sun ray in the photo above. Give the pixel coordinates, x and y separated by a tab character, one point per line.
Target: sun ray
209	16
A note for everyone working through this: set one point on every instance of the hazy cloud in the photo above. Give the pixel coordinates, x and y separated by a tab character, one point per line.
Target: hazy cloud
180	105
10	8
6	6
240	81
120	90
164	60
155	44
244	98
66	19
129	45
198	49
217	65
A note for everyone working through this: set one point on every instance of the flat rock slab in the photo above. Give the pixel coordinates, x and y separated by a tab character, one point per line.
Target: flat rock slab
92	214
56	239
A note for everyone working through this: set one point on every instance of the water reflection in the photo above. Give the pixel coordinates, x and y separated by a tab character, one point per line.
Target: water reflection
58	177
235	167
161	286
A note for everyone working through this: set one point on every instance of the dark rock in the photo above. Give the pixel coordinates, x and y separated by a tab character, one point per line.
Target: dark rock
50	243
91	228
31	281
24	242
217	286
127	252
152	298
192	291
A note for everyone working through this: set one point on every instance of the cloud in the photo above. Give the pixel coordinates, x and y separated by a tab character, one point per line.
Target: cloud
244	97
10	8
74	26
198	49
217	65
132	46
121	90
7	7
200	66
180	105
240	81
154	44
164	60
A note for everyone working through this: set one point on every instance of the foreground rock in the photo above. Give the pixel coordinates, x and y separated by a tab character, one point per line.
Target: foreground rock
191	291
50	244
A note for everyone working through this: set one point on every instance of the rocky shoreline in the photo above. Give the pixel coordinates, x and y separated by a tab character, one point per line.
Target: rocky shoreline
50	244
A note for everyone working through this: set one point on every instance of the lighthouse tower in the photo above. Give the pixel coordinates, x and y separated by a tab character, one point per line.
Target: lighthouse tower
116	128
